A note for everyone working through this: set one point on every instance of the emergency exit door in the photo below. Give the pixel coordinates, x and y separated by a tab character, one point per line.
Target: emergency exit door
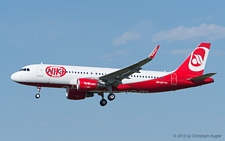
173	79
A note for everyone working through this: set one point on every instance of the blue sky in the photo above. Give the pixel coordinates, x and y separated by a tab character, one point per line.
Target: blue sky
110	34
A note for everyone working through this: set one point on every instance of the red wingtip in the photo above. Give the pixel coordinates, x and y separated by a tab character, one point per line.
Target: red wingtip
152	55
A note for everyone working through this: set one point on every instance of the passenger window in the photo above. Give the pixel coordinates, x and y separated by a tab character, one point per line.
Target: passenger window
28	69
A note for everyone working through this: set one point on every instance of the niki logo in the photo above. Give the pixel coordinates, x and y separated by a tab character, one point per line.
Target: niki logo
198	59
55	71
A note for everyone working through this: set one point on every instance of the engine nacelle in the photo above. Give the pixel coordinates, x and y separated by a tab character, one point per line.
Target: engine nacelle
73	94
89	84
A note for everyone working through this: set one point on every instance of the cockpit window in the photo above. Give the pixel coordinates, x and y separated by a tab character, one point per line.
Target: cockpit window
25	69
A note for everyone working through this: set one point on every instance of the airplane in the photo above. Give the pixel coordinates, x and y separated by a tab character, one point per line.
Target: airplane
83	82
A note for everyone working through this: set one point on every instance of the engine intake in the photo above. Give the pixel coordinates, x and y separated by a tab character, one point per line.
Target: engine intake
89	84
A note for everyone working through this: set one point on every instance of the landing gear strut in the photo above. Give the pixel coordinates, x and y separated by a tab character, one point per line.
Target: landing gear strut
38	93
111	96
103	102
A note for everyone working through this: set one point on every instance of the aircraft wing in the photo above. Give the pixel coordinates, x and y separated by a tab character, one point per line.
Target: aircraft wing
121	74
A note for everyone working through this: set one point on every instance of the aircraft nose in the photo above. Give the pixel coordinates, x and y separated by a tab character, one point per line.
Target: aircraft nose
14	77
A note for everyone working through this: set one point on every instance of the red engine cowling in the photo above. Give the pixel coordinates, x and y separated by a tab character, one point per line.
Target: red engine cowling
89	84
75	94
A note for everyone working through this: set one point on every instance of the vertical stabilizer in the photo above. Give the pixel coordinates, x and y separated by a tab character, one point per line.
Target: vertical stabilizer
195	63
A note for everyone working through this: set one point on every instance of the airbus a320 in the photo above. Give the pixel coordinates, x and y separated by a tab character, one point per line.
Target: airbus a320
83	82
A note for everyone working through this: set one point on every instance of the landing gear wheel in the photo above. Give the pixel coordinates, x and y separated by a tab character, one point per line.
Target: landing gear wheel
38	93
37	96
103	102
111	97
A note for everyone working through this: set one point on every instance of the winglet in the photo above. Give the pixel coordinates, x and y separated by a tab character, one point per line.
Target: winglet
152	55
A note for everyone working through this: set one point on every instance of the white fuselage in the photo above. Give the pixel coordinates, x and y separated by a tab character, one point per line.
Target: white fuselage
37	74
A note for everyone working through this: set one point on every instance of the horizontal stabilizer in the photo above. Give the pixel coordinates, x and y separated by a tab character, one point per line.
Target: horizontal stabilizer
203	77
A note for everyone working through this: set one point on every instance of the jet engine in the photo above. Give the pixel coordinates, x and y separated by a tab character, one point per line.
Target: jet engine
73	94
89	84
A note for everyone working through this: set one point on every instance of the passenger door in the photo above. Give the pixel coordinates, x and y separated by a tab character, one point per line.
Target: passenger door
40	70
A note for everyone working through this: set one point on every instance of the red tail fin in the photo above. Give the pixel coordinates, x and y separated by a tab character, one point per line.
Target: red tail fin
195	63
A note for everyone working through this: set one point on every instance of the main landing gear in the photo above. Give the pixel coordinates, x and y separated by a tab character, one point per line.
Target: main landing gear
103	102
111	96
38	93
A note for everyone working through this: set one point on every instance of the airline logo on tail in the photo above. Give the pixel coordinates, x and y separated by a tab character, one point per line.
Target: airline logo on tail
198	59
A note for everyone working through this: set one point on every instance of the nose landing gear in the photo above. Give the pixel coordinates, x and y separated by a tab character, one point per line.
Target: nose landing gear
38	93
